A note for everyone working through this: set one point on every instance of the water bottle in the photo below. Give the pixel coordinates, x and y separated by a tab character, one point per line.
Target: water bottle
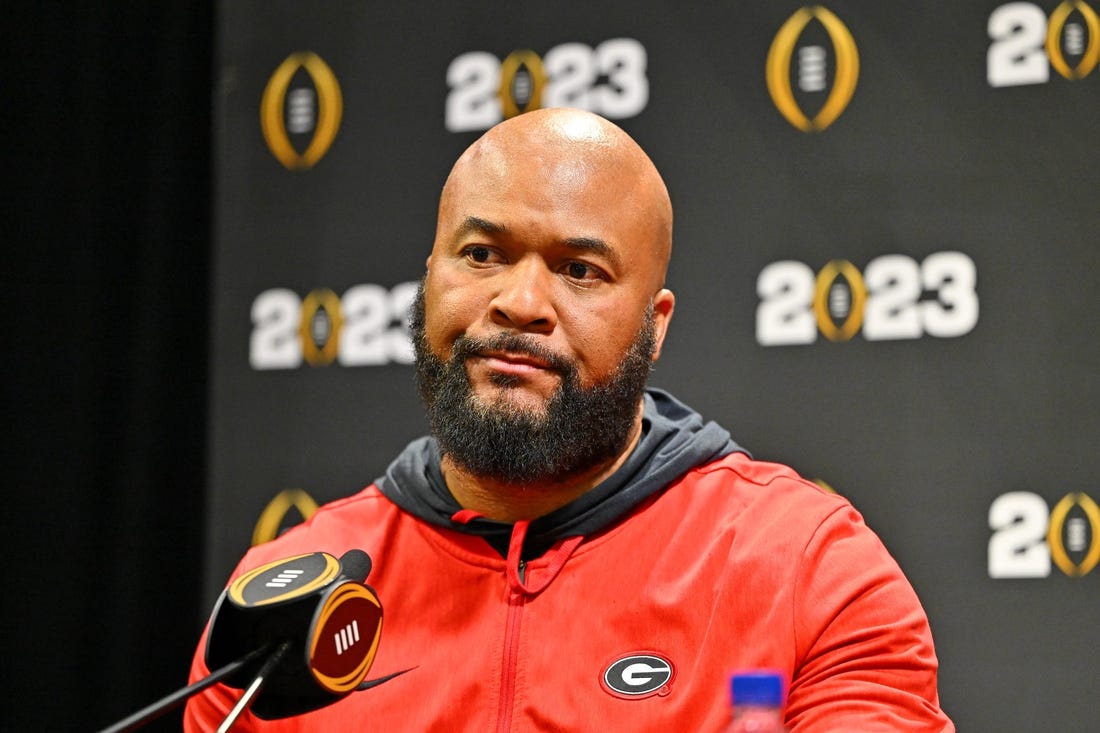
757	701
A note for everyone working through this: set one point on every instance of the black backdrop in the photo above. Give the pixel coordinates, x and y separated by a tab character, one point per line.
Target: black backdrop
902	305
106	244
107	280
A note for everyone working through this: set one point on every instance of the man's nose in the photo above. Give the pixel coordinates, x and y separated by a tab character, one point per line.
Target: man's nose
525	298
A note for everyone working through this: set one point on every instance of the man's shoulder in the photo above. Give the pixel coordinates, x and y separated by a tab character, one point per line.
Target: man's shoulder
335	527
740	471
738	487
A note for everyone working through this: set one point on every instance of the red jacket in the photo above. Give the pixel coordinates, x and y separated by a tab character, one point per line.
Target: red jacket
736	564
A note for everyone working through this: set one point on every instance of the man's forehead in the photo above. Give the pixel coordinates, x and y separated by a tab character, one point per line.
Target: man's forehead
555	167
573	164
546	161
485	160
553	128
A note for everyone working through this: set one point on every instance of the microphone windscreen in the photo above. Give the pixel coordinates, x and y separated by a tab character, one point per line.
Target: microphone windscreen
355	565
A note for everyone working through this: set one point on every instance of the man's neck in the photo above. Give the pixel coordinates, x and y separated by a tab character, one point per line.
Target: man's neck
507	502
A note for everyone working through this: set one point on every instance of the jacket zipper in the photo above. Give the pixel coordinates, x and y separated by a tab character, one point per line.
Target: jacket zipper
519	590
516	601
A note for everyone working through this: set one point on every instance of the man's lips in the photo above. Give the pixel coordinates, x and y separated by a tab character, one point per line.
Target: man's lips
513	363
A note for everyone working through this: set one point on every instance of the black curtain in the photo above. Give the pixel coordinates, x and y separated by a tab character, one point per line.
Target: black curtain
107	249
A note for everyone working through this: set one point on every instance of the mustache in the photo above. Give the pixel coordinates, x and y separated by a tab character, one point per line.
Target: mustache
465	347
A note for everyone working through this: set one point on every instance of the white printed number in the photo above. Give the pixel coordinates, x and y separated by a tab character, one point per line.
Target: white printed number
609	80
793	301
1018	547
368	330
1016	56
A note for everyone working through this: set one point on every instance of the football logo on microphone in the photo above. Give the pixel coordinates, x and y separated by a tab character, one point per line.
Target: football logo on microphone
283	580
338	657
302	107
811	71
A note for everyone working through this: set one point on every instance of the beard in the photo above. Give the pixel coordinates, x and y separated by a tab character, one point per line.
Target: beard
579	429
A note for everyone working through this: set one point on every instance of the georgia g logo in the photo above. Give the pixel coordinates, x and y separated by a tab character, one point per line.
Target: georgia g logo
638	675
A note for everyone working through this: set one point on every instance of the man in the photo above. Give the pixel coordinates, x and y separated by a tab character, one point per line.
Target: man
570	551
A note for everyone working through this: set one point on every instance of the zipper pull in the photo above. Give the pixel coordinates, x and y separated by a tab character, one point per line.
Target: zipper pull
515	560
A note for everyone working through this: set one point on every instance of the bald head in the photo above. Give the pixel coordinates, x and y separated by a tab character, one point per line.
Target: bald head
545	295
570	152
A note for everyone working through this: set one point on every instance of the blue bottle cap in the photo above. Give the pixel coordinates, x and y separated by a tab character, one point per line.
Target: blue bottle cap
757	687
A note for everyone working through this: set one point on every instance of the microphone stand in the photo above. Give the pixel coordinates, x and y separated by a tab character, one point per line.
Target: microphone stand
258	682
169	702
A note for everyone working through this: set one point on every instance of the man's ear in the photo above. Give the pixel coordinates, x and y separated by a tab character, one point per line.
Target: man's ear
664	302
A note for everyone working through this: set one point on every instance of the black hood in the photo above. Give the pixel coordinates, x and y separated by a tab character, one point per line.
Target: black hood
674	440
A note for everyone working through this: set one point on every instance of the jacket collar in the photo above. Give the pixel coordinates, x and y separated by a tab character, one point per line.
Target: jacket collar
675	439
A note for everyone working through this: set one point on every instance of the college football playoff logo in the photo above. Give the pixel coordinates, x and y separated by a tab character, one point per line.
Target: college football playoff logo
301	110
810	70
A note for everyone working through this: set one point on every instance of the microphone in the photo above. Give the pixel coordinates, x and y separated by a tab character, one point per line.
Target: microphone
304	630
317	622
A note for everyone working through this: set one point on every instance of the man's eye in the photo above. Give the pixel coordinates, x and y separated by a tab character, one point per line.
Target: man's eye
479	254
581	271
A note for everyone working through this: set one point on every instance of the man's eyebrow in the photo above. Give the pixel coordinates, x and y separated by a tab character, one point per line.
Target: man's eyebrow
474	224
594	245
